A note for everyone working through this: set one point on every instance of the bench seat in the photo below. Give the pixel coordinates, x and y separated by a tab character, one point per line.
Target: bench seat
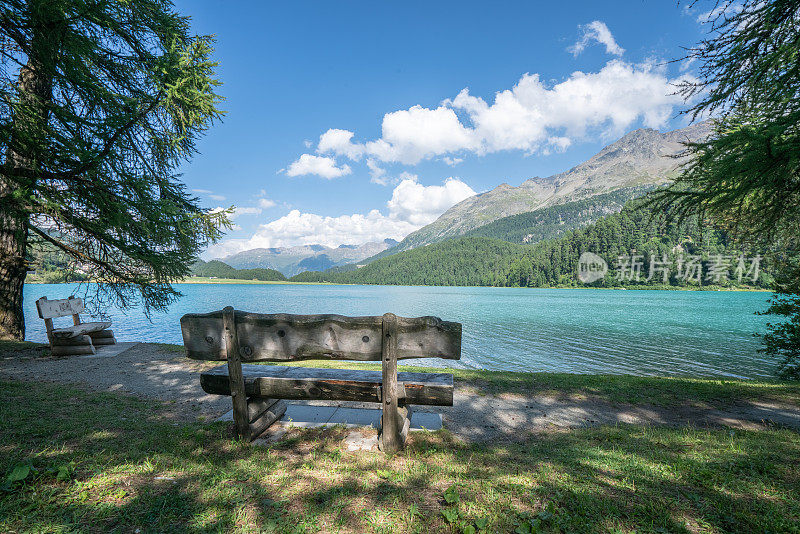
311	383
79	329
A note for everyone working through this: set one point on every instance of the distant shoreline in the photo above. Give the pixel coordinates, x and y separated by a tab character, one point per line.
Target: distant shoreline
208	280
205	280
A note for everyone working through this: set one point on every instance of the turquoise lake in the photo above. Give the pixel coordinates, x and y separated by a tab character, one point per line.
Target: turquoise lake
679	333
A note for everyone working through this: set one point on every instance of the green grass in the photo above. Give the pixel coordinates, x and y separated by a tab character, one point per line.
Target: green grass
106	462
20	345
25	349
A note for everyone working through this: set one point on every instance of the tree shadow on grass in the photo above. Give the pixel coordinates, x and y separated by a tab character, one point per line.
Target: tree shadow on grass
134	471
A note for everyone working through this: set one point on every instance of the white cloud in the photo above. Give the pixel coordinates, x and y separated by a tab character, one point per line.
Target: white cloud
409	136
686	64
532	116
265	203
318	165
339	142
721	10
418	133
412	205
596	31
210	194
452	161
376	172
421	205
298	228
239	211
556	145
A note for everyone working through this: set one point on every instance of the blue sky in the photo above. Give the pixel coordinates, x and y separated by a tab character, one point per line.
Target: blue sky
547	85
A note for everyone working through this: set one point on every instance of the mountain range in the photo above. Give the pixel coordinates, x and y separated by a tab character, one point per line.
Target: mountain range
537	209
293	260
643	157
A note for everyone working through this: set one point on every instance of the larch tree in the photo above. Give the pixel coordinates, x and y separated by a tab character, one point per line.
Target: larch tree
101	101
746	175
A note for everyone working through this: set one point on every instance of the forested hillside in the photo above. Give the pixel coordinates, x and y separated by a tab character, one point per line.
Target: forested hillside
549	223
49	265
218	269
464	261
680	251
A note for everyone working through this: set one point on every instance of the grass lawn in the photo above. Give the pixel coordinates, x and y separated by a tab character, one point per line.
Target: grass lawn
107	462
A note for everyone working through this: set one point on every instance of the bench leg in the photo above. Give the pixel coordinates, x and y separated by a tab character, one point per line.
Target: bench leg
262	413
401	431
393	419
103	337
241	421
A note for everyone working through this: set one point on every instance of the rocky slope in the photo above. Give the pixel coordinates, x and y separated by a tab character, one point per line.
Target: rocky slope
641	157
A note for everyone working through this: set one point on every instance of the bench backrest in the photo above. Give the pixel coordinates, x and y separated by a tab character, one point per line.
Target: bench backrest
48	309
283	337
59	308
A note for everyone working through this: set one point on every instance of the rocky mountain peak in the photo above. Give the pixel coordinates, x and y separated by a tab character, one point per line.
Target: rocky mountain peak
639	158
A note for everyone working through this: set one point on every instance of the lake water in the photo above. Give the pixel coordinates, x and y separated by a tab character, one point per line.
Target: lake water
696	333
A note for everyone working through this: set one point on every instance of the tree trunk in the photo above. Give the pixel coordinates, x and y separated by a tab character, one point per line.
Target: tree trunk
27	139
13	241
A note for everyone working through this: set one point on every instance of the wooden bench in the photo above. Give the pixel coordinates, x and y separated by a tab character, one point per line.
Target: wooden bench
80	338
256	390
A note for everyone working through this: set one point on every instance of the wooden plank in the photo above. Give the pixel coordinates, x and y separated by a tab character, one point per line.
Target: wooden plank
77	330
103	337
240	419
74	350
269	416
101	334
76	341
310	383
285	337
390	438
49	309
257	406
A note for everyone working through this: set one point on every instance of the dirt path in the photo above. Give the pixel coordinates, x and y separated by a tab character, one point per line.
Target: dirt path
149	371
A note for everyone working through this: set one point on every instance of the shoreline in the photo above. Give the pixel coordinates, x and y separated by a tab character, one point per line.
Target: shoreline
199	280
19	359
